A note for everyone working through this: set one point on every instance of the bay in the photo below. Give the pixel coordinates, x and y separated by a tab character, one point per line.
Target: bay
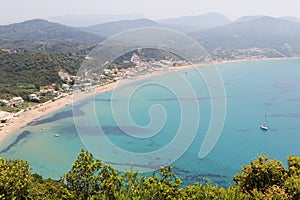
253	89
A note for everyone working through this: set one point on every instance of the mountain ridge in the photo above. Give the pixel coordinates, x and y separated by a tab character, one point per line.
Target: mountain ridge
91	20
112	28
264	32
247	32
196	22
43	30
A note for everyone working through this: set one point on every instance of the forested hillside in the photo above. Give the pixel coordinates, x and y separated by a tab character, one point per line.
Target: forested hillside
37	68
24	69
43	36
42	30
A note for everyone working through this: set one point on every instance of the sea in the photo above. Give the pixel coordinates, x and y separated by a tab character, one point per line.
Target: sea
166	119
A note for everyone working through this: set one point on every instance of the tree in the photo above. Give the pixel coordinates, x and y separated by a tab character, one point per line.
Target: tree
163	184
294	165
82	179
47	189
261	174
292	184
90	178
208	191
15	179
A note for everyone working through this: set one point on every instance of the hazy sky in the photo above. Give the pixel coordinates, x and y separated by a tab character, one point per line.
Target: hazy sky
20	10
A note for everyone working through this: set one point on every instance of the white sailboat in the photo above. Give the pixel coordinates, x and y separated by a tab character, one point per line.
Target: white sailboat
264	126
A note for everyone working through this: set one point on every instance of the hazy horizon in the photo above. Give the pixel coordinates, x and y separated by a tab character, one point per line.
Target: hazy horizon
15	11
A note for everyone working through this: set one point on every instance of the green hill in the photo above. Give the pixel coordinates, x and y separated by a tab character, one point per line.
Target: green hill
264	32
42	30
33	68
43	36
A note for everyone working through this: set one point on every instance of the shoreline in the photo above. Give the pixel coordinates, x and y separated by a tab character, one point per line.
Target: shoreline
255	59
25	118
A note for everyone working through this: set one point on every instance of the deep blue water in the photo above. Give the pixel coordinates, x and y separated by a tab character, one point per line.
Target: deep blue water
156	114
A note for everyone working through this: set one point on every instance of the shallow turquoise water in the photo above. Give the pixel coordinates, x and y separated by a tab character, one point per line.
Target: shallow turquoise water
253	89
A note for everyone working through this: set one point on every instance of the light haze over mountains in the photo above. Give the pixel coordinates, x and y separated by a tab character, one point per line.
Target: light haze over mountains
212	30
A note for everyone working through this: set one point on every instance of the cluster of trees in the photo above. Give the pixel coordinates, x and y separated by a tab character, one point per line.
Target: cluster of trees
90	178
20	70
46	46
37	68
146	55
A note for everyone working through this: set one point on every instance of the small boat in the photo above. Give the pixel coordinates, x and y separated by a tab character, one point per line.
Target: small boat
264	126
56	135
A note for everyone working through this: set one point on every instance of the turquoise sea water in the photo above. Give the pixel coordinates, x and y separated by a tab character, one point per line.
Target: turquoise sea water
253	89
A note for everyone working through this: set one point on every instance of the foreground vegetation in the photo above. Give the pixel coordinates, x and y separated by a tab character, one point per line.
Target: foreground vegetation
92	179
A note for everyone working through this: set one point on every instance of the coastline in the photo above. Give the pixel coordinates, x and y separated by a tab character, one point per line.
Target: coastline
255	59
27	117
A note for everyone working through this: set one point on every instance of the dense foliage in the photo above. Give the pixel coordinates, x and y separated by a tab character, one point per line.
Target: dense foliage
90	178
37	68
145	55
22	73
46	46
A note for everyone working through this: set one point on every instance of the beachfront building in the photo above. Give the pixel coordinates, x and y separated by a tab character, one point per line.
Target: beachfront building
135	59
4	102
16	101
56	93
65	87
33	97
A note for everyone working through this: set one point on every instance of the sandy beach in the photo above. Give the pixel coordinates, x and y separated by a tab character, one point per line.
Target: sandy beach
27	117
23	119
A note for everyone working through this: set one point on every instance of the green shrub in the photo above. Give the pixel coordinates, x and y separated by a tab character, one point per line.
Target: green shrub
261	174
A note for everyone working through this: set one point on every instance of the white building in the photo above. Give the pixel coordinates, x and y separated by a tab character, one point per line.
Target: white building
4	102
33	97
135	59
16	101
65	87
